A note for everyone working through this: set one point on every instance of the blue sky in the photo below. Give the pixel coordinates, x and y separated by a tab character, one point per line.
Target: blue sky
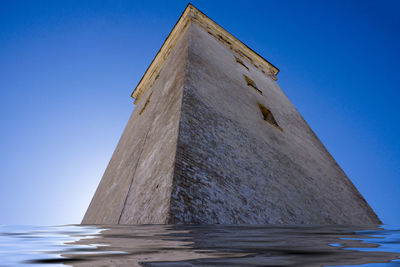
67	69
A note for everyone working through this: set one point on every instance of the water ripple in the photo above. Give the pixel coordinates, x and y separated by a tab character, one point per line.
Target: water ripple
200	245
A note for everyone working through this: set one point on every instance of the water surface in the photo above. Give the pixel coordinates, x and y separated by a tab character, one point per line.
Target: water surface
206	245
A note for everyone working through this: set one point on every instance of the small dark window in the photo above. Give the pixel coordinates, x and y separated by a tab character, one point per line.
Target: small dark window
145	104
252	84
268	117
238	60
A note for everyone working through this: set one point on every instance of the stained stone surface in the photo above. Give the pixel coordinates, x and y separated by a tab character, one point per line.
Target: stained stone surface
233	167
200	151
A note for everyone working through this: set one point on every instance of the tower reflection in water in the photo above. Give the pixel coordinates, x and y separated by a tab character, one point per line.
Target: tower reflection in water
222	245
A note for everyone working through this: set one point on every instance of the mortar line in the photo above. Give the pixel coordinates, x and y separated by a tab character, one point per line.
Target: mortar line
133	176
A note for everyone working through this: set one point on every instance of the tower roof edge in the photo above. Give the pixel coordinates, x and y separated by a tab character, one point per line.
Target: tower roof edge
192	15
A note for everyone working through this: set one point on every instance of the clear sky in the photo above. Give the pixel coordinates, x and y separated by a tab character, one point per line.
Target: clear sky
67	69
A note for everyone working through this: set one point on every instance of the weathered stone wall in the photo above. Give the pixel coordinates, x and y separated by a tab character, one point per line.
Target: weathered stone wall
234	167
136	186
198	150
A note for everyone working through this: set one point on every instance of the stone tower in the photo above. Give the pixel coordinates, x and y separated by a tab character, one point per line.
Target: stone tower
213	139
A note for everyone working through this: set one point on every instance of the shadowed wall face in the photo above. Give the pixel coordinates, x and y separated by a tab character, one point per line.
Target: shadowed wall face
233	166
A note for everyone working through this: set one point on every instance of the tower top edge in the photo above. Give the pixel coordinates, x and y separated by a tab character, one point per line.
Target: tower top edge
192	15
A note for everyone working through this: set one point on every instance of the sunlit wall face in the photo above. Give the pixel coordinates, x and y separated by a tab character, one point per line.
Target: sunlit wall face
67	70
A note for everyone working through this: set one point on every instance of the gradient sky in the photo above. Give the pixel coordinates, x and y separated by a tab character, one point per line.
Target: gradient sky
67	69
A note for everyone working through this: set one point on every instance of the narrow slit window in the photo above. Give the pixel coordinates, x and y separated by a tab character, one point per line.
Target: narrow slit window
238	60
268	117
252	84
145	104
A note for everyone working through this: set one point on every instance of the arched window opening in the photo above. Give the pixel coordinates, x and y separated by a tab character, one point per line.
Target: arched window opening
252	84
145	104
238	60
268	117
